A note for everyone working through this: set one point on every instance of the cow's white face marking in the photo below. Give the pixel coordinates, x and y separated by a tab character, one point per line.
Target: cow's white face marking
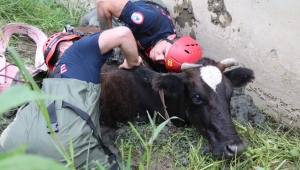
211	75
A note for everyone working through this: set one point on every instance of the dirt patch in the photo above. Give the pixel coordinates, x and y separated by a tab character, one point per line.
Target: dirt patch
25	46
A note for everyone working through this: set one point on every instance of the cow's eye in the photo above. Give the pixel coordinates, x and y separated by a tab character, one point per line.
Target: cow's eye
197	99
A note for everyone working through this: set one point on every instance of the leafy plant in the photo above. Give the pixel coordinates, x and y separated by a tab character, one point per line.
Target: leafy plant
146	159
16	159
23	94
44	14
269	146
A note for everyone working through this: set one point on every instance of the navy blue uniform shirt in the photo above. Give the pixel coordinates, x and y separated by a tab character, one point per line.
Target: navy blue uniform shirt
83	60
140	17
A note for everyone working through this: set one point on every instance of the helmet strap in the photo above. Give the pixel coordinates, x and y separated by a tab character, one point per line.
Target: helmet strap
169	41
52	43
54	57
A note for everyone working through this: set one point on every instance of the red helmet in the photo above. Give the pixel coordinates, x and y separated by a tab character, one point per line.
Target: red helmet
185	49
51	43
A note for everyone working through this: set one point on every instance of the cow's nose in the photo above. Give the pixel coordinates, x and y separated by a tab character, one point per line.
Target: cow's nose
234	149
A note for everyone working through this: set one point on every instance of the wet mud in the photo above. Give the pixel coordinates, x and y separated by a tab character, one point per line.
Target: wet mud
244	110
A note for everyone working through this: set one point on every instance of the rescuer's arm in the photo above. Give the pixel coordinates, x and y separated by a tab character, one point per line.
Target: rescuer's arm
108	8
121	37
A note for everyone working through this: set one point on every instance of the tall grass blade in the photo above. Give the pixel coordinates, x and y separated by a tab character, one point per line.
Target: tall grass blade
69	163
129	159
138	135
151	121
71	148
18	95
159	129
41	104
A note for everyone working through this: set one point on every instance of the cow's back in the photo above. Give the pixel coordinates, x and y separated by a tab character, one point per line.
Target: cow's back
127	94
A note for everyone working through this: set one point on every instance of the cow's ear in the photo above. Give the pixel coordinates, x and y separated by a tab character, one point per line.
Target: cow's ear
170	84
239	77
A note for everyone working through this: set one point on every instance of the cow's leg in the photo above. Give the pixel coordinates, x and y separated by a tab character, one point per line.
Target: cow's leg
108	8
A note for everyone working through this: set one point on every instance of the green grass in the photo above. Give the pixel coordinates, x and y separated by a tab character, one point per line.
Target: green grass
269	146
47	15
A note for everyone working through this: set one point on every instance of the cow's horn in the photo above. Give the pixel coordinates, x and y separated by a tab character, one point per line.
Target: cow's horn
228	62
186	66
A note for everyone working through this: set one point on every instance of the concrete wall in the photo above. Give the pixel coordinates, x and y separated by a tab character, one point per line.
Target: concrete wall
262	34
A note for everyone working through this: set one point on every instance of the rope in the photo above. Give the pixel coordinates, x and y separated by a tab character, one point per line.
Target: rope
161	94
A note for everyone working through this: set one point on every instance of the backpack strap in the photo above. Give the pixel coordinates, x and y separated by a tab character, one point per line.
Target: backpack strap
52	114
53	118
56	72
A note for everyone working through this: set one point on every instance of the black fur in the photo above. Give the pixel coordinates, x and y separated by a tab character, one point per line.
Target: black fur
239	77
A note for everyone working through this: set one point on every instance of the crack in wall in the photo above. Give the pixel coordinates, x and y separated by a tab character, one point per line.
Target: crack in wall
285	112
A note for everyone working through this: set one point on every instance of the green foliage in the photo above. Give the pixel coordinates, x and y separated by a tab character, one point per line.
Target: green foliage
268	146
49	16
44	14
29	81
18	95
129	159
21	95
32	162
157	129
145	162
16	159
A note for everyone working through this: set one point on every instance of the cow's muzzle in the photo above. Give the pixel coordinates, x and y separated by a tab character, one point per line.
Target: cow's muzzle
233	150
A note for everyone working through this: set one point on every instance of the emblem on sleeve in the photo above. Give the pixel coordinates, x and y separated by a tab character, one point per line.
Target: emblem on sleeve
63	69
170	62
137	18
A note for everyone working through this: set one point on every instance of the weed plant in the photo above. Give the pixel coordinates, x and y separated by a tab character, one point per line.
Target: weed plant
46	15
269	146
16	96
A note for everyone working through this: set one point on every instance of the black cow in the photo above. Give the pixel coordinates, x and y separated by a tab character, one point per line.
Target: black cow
200	95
